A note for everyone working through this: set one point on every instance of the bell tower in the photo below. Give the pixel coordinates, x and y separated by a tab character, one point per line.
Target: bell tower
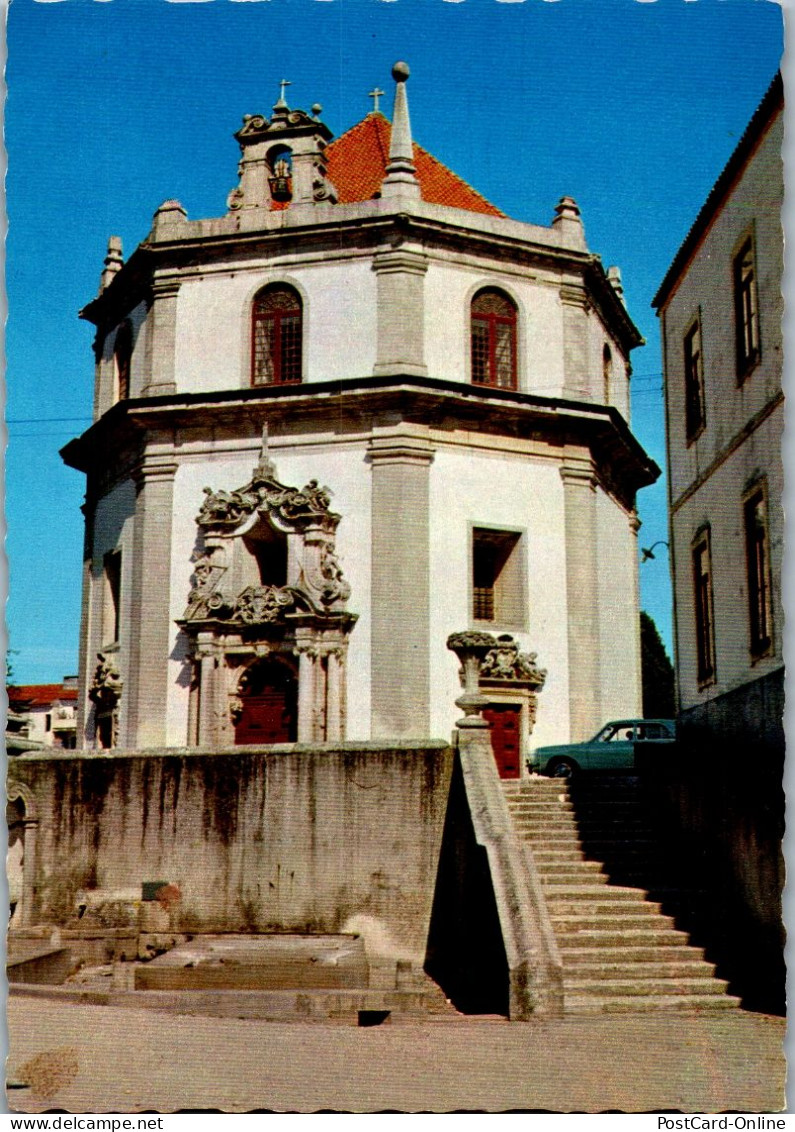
283	162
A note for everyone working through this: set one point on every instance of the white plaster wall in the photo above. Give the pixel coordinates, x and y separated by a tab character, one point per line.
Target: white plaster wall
342	468
500	490
754	204
619	625
449	289
719	502
213	339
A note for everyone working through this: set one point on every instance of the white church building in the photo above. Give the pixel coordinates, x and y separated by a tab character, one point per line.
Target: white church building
359	411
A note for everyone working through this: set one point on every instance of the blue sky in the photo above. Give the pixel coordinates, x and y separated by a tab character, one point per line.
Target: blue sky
631	107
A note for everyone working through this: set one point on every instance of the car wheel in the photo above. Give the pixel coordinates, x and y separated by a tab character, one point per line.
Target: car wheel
563	769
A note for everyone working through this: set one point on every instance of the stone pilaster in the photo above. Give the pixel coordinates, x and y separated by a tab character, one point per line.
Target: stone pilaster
582	589
400	586
576	375
334	679
161	339
85	658
401	311
307	693
147	680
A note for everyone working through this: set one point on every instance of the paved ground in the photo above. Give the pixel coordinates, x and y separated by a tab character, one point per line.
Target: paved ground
98	1059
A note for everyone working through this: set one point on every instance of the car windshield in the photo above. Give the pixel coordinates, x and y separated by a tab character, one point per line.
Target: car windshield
614	733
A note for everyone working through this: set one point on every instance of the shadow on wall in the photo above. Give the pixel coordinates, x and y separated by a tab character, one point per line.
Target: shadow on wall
719	802
465	953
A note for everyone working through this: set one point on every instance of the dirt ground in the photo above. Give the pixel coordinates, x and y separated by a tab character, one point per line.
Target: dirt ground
88	1059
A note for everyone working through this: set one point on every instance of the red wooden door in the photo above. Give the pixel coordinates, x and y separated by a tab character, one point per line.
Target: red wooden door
504	720
266	718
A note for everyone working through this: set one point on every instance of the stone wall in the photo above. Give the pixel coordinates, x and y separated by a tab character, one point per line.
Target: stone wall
721	802
327	839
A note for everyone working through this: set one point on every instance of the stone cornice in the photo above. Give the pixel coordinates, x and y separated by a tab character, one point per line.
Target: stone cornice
419	400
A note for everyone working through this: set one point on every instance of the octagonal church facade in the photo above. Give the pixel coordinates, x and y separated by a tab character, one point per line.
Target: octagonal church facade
361	410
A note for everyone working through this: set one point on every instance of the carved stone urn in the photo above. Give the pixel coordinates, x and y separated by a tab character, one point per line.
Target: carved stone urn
471	648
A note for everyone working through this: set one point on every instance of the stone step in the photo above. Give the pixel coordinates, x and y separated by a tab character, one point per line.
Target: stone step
572	872
569	918
619	937
652	1003
605	971
643	986
682	959
600	894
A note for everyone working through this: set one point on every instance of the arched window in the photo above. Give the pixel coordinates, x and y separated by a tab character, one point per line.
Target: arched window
493	336
276	336
607	372
122	356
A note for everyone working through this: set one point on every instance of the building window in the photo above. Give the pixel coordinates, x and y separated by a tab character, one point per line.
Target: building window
757	556
48	722
497	590
607	372
702	587
493	337
746	312
694	382
122	358
111	607
276	336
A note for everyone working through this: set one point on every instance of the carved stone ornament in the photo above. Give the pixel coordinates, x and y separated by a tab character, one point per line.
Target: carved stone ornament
291	508
504	662
107	685
258	605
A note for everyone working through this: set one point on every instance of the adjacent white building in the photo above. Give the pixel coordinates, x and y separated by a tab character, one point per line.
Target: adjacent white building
721	306
444	397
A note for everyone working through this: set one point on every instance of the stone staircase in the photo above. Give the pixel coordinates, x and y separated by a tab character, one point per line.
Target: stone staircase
619	952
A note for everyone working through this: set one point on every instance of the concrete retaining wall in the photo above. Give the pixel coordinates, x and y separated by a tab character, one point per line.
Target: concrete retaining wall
327	839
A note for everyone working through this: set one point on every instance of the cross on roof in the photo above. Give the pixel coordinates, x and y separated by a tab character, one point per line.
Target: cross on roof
375	95
283	83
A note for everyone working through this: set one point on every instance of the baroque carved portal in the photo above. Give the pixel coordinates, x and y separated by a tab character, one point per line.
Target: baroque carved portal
267	615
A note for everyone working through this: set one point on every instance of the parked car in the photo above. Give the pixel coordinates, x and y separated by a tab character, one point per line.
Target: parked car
612	748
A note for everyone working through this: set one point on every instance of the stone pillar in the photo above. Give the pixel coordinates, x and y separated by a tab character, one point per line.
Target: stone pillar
307	661
161	339
577	378
206	722
400	596
25	917
582	589
400	277
334	696
150	619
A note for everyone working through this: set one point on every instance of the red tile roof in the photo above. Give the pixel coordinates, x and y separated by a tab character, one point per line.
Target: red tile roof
40	695
357	160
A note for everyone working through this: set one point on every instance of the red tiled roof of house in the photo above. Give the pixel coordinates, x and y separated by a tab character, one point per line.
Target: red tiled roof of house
41	695
356	163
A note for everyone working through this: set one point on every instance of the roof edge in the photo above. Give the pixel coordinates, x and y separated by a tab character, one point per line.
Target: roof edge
761	119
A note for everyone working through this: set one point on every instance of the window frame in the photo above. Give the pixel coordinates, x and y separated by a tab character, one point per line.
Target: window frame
111	597
693	368
747	336
492	321
509	609
703	608
758	573
122	360
278	317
